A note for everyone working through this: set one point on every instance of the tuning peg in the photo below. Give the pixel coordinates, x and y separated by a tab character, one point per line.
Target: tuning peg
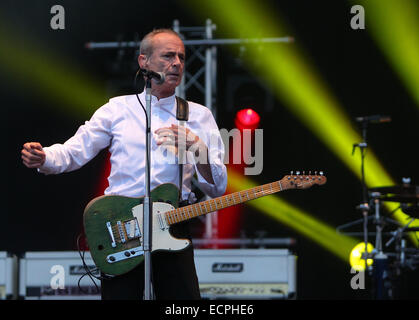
321	173
292	172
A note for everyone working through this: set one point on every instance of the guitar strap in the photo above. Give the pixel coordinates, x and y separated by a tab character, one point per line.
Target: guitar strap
182	115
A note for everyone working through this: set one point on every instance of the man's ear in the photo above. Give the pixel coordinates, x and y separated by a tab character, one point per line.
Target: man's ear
142	61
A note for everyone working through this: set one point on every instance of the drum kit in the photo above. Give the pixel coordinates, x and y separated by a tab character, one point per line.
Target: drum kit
392	257
407	196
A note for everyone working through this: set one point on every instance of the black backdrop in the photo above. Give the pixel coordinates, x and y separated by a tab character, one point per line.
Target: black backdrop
45	212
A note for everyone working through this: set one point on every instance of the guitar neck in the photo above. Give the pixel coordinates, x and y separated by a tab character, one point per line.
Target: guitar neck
204	207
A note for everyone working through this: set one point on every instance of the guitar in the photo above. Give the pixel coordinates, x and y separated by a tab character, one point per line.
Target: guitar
113	224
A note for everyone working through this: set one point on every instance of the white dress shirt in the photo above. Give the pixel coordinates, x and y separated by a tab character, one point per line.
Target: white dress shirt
120	125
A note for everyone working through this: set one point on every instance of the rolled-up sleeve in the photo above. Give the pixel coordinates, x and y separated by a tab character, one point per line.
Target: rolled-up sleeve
89	139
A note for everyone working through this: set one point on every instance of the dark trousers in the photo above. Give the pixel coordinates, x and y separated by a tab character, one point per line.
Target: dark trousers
173	275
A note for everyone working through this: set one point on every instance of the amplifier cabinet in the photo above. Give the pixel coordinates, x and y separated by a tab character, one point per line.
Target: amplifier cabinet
246	273
222	274
55	276
8	276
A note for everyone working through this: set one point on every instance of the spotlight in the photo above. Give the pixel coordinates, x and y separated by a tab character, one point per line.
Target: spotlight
356	257
247	119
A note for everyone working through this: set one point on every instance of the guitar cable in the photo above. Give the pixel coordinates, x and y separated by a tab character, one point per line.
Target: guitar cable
89	272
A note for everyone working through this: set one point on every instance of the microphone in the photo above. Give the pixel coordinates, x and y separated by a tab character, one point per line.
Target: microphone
157	76
374	119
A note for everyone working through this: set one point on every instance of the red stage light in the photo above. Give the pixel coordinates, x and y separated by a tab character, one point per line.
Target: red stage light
247	119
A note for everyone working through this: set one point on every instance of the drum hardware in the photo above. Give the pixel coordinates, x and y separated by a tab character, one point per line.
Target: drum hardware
399	232
387	265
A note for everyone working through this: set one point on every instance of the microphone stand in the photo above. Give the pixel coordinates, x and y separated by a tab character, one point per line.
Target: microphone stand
380	259
147	204
364	207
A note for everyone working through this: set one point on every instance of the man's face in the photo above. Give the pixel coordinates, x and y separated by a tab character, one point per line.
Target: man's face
168	57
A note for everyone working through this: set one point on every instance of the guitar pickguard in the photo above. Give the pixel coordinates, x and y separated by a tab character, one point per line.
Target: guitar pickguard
161	237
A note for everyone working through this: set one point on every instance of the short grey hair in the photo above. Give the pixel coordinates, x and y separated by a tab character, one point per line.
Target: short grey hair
146	45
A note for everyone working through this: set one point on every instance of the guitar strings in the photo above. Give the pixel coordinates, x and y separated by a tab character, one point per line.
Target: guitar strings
175	216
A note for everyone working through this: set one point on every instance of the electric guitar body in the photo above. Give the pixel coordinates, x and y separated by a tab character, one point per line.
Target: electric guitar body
113	227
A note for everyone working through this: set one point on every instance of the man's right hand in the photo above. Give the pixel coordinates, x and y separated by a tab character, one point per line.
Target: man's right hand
33	155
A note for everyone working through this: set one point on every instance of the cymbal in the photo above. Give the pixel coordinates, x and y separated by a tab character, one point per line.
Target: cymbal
400	189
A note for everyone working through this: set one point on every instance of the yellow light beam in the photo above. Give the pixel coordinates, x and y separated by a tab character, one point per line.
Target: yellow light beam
394	25
39	70
295	218
296	82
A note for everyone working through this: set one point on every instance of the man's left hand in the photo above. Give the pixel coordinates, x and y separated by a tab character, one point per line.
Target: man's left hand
175	137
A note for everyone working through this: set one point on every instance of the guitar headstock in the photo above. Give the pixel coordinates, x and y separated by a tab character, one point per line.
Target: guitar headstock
302	181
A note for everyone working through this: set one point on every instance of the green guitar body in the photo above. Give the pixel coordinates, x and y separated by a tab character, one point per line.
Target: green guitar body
109	210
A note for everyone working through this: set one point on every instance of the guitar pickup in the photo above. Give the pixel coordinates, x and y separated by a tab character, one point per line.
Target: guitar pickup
132	229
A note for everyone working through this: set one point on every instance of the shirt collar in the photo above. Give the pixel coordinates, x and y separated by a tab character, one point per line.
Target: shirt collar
168	103
163	101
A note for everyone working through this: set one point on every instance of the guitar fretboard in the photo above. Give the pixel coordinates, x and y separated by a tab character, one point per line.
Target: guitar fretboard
204	207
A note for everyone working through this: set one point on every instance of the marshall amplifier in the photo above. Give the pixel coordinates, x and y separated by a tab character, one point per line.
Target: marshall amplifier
8	276
246	273
56	275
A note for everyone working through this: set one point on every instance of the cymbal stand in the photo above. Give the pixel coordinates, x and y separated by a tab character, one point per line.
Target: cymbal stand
378	222
380	258
399	232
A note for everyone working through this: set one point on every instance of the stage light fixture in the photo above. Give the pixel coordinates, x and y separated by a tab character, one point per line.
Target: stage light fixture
357	259
247	119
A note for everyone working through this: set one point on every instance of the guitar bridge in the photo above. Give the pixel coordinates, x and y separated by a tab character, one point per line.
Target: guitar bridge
125	231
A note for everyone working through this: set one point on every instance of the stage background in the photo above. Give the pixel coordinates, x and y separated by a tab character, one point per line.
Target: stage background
45	212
